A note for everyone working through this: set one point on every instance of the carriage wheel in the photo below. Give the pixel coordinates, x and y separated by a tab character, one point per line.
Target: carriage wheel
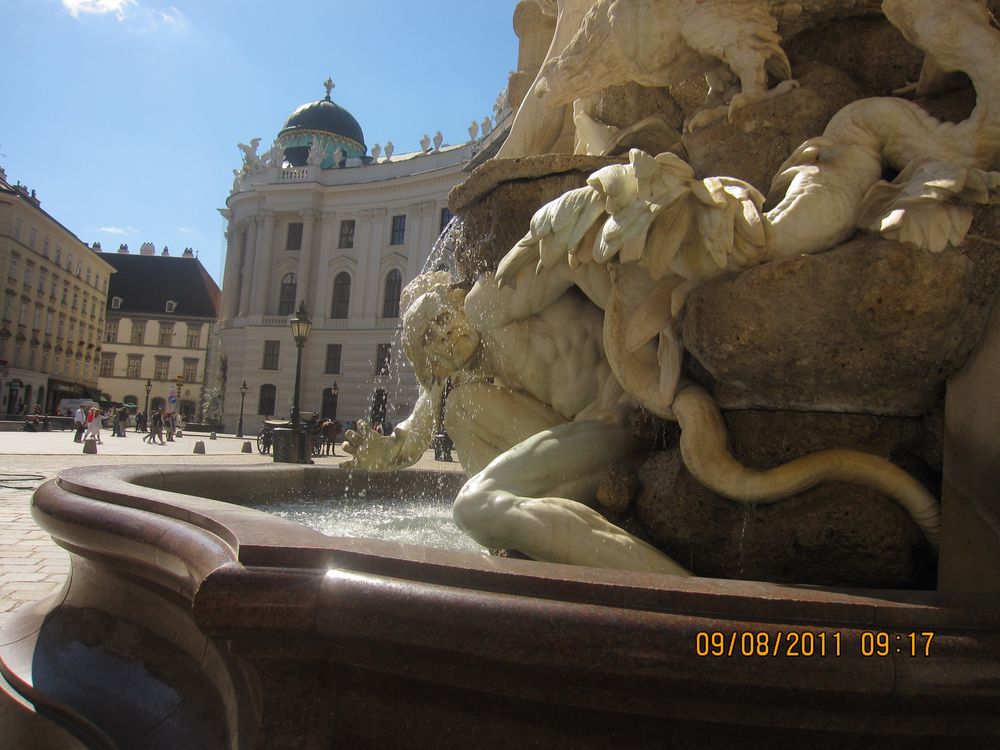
260	441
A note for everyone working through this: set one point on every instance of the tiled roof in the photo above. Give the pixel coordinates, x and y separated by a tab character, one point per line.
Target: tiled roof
147	282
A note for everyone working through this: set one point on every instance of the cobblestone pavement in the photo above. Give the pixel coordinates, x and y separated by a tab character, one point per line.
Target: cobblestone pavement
31	565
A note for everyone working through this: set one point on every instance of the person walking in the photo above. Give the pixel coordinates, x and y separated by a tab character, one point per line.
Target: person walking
80	423
122	422
94	425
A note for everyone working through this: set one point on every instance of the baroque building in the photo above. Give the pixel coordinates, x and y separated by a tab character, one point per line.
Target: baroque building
162	313
53	292
322	220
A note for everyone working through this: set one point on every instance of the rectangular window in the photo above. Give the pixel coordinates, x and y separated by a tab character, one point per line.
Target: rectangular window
111	331
107	364
53	288
446	215
346	234
17	230
138	332
65	294
27	276
45	247
294	236
398	230
41	281
271	352
383	358
161	370
34	235
190	370
333	359
193	336
166	334
134	366
76	299
12	269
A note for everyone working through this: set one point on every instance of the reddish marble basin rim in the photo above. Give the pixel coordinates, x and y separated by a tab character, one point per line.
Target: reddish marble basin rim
219	533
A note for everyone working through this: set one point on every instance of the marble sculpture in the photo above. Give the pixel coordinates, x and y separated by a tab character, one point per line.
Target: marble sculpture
548	355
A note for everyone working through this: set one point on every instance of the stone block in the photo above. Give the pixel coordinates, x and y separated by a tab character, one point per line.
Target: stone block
199	447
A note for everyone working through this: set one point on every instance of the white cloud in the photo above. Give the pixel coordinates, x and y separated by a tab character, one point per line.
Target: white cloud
118	230
185	230
76	7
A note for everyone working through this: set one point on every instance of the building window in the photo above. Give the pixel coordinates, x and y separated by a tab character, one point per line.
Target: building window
446	215
161	370
271	352
130	399
54	287
107	364
393	287
65	294
170	306
116	303
17	230
398	230
166	334
286	296
27	276
69	262
76	299
346	234
294	236
41	281
58	257
268	395
383	358
333	359
45	247
79	268
190	370
134	366
12	269
34	236
341	296
138	332
193	336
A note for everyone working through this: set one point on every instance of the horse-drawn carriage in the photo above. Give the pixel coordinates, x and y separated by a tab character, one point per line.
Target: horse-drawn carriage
323	431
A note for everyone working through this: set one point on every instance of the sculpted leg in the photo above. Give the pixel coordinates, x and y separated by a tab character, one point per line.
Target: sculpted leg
531	498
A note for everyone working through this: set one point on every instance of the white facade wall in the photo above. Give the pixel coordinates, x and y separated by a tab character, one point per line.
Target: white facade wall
259	212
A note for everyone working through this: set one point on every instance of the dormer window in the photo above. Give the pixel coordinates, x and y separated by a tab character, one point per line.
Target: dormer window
171	305
116	303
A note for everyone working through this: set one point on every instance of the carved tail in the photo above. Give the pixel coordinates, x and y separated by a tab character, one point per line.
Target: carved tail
706	455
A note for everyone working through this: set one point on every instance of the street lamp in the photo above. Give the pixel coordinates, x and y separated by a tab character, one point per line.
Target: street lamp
149	387
301	326
243	395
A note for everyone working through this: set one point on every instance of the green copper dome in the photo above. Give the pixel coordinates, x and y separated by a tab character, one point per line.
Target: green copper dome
326	120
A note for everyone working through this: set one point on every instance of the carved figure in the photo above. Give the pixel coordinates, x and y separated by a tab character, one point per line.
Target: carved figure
250	159
473	130
338	157
276	156
317	152
376	152
389	148
438	140
425	143
486	126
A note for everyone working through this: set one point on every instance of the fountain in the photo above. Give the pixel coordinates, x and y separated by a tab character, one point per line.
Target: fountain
748	443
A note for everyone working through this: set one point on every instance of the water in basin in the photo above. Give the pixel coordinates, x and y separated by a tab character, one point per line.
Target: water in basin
423	520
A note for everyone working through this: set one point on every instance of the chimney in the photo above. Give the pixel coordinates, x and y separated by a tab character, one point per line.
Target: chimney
147	249
123	249
188	253
96	247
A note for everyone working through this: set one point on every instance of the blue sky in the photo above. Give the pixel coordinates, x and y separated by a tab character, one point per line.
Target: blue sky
124	115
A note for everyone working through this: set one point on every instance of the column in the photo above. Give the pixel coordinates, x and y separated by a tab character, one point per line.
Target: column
246	270
305	262
426	234
230	276
375	218
322	284
262	265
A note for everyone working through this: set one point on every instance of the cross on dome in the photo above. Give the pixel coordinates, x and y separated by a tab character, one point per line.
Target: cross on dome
329	86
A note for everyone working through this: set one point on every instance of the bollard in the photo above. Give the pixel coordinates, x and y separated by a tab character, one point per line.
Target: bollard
247	448
90	446
212	436
199	447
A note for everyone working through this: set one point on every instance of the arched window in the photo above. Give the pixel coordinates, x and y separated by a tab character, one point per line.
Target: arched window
341	296
286	300
268	394
393	286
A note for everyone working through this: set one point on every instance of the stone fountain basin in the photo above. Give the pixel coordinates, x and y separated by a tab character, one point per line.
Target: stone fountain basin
189	621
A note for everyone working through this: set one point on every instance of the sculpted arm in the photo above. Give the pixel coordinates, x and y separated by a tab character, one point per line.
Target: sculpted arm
404	446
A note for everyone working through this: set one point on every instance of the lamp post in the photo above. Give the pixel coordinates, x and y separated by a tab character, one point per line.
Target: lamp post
243	395
335	390
301	326
149	387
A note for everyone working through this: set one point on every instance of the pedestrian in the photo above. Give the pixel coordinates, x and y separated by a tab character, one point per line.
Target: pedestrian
94	425
169	425
122	422
79	423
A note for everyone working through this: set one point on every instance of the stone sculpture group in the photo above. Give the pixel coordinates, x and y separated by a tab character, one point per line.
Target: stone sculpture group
549	355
